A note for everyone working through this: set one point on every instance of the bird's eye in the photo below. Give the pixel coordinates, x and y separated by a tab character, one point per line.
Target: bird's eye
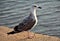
35	6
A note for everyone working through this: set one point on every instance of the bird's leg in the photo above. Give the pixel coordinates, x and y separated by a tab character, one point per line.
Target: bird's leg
30	35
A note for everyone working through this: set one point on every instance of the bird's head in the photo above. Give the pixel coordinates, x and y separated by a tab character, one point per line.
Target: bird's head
35	6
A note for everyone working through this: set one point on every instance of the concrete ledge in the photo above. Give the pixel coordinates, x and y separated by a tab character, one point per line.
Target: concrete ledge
22	36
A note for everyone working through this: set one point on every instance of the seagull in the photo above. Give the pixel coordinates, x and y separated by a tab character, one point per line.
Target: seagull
28	23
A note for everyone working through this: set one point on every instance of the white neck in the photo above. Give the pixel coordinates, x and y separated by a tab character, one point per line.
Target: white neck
33	15
33	12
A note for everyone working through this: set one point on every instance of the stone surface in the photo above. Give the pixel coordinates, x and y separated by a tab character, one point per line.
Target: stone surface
22	36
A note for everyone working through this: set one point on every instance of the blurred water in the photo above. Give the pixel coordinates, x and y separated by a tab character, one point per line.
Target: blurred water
13	11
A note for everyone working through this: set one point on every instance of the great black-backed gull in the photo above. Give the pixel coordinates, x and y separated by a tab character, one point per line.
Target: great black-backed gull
28	23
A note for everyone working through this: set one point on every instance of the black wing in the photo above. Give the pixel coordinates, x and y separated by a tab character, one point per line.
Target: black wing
26	24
